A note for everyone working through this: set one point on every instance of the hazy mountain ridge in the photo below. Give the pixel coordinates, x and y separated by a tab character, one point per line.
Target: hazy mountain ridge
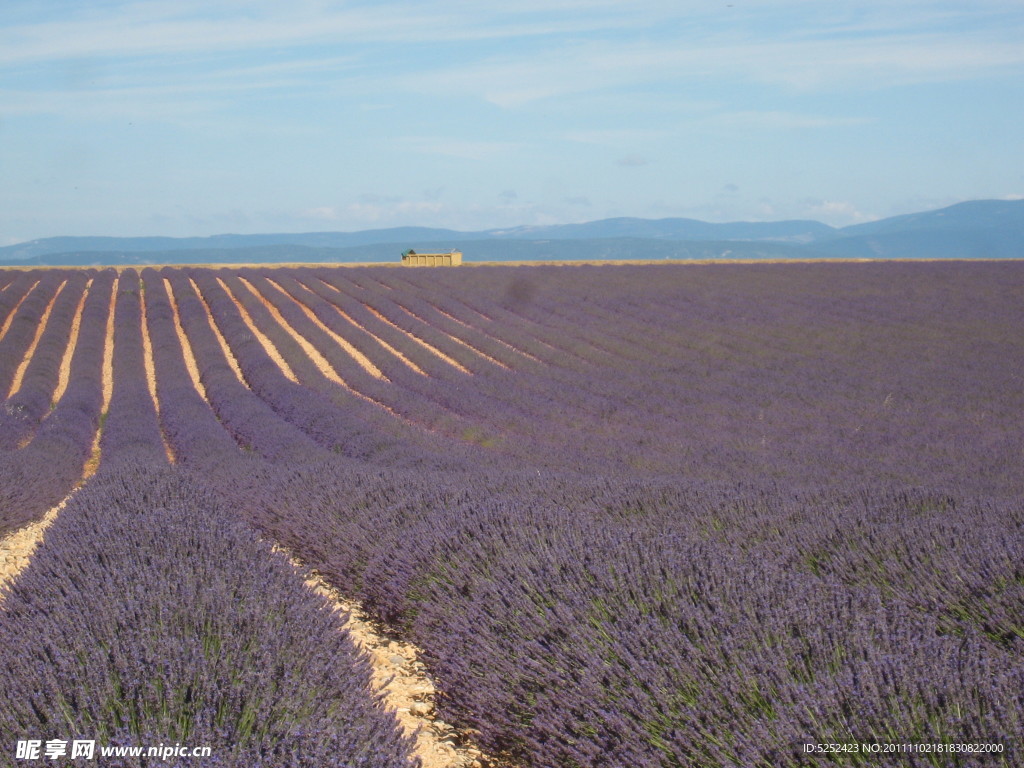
973	229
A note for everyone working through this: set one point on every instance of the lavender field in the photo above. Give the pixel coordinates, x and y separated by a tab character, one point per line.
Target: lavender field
645	516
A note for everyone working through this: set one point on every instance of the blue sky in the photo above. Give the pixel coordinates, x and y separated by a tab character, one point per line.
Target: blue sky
195	117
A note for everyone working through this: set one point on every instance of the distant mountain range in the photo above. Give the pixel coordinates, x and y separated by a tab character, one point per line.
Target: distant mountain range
992	229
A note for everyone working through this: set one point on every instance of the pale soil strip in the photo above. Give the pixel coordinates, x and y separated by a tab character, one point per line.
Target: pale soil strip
318	359
220	337
401	679
456	339
19	375
525	320
491	321
186	347
17	547
489	336
147	356
265	342
355	354
64	374
108	350
312	352
380	341
10	317
93	463
430	348
478	313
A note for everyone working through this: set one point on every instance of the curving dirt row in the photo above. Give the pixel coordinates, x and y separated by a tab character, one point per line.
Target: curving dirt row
93	462
349	320
186	346
64	374
265	342
14	310
318	360
457	340
430	348
402	681
495	339
228	354
16	549
19	374
147	357
365	362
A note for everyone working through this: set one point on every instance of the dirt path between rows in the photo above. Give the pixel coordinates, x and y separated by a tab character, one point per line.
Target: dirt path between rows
14	311
19	375
17	548
268	346
93	462
64	374
429	347
397	674
402	680
464	324
379	340
311	352
228	354
365	362
150	366
456	339
186	346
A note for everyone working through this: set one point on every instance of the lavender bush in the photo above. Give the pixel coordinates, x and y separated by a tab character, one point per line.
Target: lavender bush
39	475
149	615
22	412
671	516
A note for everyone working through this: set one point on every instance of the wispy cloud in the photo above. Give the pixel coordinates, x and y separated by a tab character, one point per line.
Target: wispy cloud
373	211
675	39
258	105
547	51
161	28
837	212
796	63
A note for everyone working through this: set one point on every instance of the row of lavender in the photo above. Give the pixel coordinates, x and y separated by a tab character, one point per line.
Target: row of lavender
673	624
37	476
813	373
789	386
152	615
580	621
458	560
781	387
792	386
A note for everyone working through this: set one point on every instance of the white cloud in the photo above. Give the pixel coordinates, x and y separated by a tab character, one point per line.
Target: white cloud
371	210
837	212
161	28
548	51
321	213
791	60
